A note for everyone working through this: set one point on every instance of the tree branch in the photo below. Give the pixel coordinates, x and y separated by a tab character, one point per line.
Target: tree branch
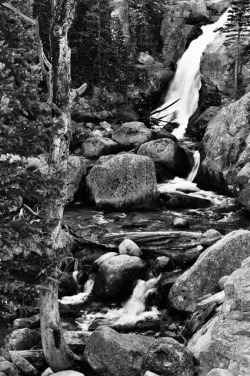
74	93
20	14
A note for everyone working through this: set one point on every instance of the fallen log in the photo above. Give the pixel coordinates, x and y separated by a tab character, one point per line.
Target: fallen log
34	357
150	236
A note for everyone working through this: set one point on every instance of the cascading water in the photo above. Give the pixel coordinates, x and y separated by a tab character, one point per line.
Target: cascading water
133	311
82	296
184	89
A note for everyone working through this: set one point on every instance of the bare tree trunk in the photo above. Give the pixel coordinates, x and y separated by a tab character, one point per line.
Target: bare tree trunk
61	98
56	351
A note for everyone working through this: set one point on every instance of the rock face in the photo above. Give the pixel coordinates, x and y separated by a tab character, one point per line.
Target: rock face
116	276
166	356
220	259
226	146
77	169
227	345
96	146
131	135
124	181
177	160
112	354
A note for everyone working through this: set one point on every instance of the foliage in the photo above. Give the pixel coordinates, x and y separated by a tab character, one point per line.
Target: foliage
237	29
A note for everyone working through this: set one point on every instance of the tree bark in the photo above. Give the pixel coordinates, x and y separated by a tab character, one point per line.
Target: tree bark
56	351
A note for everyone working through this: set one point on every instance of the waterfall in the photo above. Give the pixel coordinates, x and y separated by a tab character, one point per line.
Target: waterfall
184	89
193	173
133	311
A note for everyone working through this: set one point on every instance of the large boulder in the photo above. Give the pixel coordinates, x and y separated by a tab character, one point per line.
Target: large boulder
131	135
243	199
124	181
168	357
96	146
166	152
226	146
116	275
224	342
113	354
220	259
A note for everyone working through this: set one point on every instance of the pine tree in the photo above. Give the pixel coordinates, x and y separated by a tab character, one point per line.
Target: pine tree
236	29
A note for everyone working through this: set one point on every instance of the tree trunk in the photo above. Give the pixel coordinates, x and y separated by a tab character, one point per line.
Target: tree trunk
56	351
61	80
237	66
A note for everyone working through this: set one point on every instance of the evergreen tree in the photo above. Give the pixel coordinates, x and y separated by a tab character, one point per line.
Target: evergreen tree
236	29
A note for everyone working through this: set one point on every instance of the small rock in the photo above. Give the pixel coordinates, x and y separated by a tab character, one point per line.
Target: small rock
9	369
145	58
162	262
222	281
148	373
96	146
128	247
21	363
210	234
47	372
180	223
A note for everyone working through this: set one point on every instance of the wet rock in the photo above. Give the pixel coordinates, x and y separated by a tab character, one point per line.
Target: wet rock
9	369
180	223
178	160
148	373
103	258
198	122
20	339
131	135
22	364
112	354
226	146
96	146
116	275
243	199
125	181
219	372
128	247
166	356
181	200
77	169
221	258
